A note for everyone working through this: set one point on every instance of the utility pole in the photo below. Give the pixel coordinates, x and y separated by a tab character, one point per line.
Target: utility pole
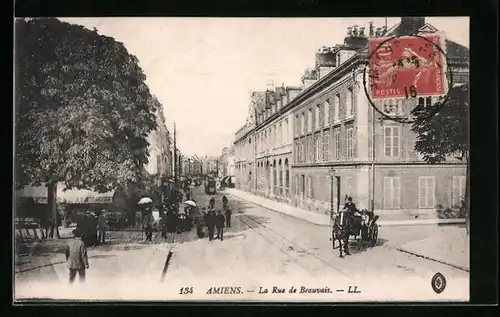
176	172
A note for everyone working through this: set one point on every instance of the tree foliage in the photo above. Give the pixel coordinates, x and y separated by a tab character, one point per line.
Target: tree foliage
445	133
83	111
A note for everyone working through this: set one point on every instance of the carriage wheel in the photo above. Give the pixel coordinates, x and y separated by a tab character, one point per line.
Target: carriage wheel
374	236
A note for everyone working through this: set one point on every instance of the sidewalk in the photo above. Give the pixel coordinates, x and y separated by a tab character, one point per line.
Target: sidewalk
324	220
449	246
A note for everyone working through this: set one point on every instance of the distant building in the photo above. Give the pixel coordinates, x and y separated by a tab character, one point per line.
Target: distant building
159	149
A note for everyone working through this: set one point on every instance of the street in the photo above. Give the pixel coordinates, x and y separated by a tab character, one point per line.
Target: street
262	250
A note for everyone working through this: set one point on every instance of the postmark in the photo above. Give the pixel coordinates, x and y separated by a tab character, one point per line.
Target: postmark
406	68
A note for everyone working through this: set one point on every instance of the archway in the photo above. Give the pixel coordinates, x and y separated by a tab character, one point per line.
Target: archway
280	178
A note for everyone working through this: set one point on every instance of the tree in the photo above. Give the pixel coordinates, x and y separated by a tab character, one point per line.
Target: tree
83	110
445	133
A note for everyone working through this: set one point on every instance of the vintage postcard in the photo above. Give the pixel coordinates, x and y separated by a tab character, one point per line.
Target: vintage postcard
242	159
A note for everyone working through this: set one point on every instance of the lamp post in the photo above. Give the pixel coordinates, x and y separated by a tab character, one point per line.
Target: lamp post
332	174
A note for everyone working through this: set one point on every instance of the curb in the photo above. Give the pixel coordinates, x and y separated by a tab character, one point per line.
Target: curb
459	267
388	223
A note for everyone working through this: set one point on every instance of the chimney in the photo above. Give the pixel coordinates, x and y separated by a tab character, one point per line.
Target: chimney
349	31
362	31
409	25
371	31
325	62
309	77
355	31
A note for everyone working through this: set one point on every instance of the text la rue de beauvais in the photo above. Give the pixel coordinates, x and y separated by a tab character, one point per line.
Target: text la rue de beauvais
273	290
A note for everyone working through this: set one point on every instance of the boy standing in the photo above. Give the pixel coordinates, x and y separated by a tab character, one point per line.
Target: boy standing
76	256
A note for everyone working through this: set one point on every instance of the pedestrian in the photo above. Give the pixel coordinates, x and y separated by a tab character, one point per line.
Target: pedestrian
219	222
147	223
224	201
211	219
102	226
212	203
76	257
228	217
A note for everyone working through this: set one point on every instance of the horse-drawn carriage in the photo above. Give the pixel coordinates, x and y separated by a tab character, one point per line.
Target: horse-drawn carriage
362	226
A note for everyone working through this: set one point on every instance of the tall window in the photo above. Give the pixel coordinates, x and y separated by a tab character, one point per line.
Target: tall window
326	109
350	103
392	192
319	148
287	178
281	179
326	137
315	148
275	180
350	142
296	126
316	119
337	144
458	190
302	185
303	124
336	106
391	141
426	192
309	187
309	120
285	140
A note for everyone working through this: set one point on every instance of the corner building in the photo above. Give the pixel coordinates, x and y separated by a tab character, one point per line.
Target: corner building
336	127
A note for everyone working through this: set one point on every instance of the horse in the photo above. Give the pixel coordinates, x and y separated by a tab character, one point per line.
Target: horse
341	231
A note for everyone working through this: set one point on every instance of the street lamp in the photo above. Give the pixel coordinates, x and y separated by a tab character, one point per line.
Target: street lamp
332	174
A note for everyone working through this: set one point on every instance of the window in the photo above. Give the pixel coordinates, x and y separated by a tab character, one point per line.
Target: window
310	147
349	103
458	190
285	140
309	120
309	187
281	180
427	101
392	192
391	106
303	124
426	191
391	141
336	106
302	185
315	148
319	147
280	134
337	144
350	142
326	109
296	126
275	180
316	119
326	137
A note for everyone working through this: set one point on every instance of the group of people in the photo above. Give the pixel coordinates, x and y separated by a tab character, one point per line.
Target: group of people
92	228
213	219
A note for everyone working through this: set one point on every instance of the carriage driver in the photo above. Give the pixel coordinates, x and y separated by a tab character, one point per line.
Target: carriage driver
350	207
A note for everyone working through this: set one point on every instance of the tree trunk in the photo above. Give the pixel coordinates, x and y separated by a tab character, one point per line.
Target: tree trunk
52	206
467	196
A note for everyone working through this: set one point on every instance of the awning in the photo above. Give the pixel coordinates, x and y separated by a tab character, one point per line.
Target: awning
72	196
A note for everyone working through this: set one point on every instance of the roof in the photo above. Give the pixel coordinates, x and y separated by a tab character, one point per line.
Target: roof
259	100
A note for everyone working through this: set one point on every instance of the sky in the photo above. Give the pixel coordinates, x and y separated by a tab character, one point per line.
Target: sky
203	69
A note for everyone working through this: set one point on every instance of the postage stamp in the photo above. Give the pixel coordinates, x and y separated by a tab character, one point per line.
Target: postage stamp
407	67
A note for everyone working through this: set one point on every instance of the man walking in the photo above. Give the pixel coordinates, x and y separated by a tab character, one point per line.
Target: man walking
76	256
228	217
211	219
220	225
101	228
147	223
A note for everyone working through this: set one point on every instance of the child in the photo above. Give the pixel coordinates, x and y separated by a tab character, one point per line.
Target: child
219	223
76	256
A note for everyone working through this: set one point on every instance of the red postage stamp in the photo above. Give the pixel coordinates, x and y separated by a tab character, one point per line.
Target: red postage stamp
407	67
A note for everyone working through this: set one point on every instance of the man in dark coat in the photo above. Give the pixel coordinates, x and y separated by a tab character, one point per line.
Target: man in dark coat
147	222
210	221
228	217
219	223
212	203
76	257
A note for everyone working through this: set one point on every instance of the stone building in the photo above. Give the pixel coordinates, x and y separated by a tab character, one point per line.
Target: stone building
160	156
298	135
335	126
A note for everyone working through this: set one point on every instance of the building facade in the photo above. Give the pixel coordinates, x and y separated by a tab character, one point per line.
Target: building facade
160	158
332	125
